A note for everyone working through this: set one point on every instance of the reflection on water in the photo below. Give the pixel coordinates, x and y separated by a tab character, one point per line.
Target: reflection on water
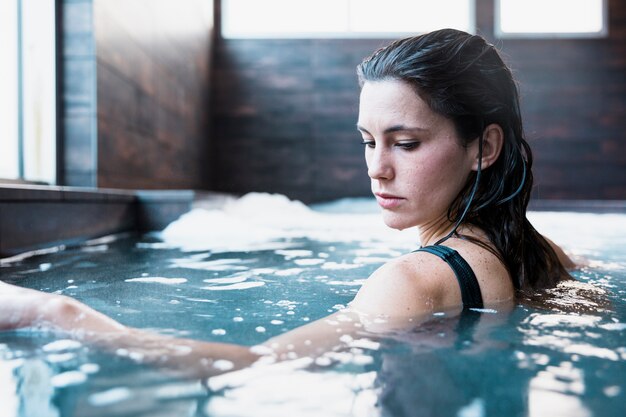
562	352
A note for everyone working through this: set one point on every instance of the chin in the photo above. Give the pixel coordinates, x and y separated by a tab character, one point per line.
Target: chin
397	222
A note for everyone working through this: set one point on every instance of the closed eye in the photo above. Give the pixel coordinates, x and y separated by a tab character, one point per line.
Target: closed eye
369	143
408	145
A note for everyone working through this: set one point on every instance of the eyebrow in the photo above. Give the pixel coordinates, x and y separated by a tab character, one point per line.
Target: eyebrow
394	129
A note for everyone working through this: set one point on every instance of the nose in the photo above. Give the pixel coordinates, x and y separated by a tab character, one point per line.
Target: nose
379	164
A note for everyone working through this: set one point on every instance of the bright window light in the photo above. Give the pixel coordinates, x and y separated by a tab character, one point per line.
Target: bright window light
574	18
402	16
39	90
9	162
28	90
342	18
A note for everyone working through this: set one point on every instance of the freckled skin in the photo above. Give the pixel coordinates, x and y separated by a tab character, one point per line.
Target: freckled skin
427	177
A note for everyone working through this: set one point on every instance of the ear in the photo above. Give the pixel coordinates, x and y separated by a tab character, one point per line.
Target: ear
493	138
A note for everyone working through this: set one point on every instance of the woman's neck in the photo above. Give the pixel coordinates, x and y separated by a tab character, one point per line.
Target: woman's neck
431	232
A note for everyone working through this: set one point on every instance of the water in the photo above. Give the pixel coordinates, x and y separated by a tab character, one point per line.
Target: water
265	265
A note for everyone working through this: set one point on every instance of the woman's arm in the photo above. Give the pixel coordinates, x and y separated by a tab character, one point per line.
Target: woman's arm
565	260
22	308
393	298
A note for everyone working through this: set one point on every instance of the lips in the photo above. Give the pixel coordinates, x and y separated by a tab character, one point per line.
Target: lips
388	201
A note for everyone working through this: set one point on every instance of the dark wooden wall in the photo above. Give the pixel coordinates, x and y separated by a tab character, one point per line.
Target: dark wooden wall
284	113
153	74
574	107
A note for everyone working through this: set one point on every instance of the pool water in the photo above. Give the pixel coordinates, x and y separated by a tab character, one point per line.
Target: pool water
264	265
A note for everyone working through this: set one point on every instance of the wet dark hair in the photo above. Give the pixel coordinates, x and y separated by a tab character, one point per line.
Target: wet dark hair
463	78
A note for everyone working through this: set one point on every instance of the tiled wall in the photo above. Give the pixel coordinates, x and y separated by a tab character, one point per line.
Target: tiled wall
285	110
284	117
78	165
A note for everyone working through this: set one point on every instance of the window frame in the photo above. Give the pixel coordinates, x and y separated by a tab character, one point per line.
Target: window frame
499	34
56	106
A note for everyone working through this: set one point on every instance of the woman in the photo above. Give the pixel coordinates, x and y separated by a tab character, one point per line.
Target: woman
440	120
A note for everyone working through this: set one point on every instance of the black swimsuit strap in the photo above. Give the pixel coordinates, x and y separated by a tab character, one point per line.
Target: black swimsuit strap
470	290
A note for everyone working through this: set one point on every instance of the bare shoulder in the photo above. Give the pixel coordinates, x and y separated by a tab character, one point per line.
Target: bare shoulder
408	286
496	284
419	283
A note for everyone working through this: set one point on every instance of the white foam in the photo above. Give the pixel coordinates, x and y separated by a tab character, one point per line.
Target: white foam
109	397
239	286
309	261
258	221
68	378
158	280
587	232
229	280
229	264
61	345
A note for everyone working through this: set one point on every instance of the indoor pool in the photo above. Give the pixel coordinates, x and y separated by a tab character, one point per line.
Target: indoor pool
262	265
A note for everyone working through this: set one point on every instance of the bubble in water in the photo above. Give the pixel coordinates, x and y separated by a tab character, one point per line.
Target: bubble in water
111	396
68	378
218	332
612	391
60	345
89	368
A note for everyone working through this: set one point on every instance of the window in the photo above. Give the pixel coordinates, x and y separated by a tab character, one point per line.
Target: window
551	18
342	18
9	166
28	90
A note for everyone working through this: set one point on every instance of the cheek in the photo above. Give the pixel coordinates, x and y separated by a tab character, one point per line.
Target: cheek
440	174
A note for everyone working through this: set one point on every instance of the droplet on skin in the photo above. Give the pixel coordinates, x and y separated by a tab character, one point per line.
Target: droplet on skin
322	361
223	365
261	350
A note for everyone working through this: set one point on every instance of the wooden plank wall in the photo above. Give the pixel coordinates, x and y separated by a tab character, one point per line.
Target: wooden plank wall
284	113
153	74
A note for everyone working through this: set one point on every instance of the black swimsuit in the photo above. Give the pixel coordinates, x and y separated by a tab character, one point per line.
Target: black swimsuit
470	290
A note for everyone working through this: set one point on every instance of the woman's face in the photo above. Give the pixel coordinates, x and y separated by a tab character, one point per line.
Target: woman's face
414	157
